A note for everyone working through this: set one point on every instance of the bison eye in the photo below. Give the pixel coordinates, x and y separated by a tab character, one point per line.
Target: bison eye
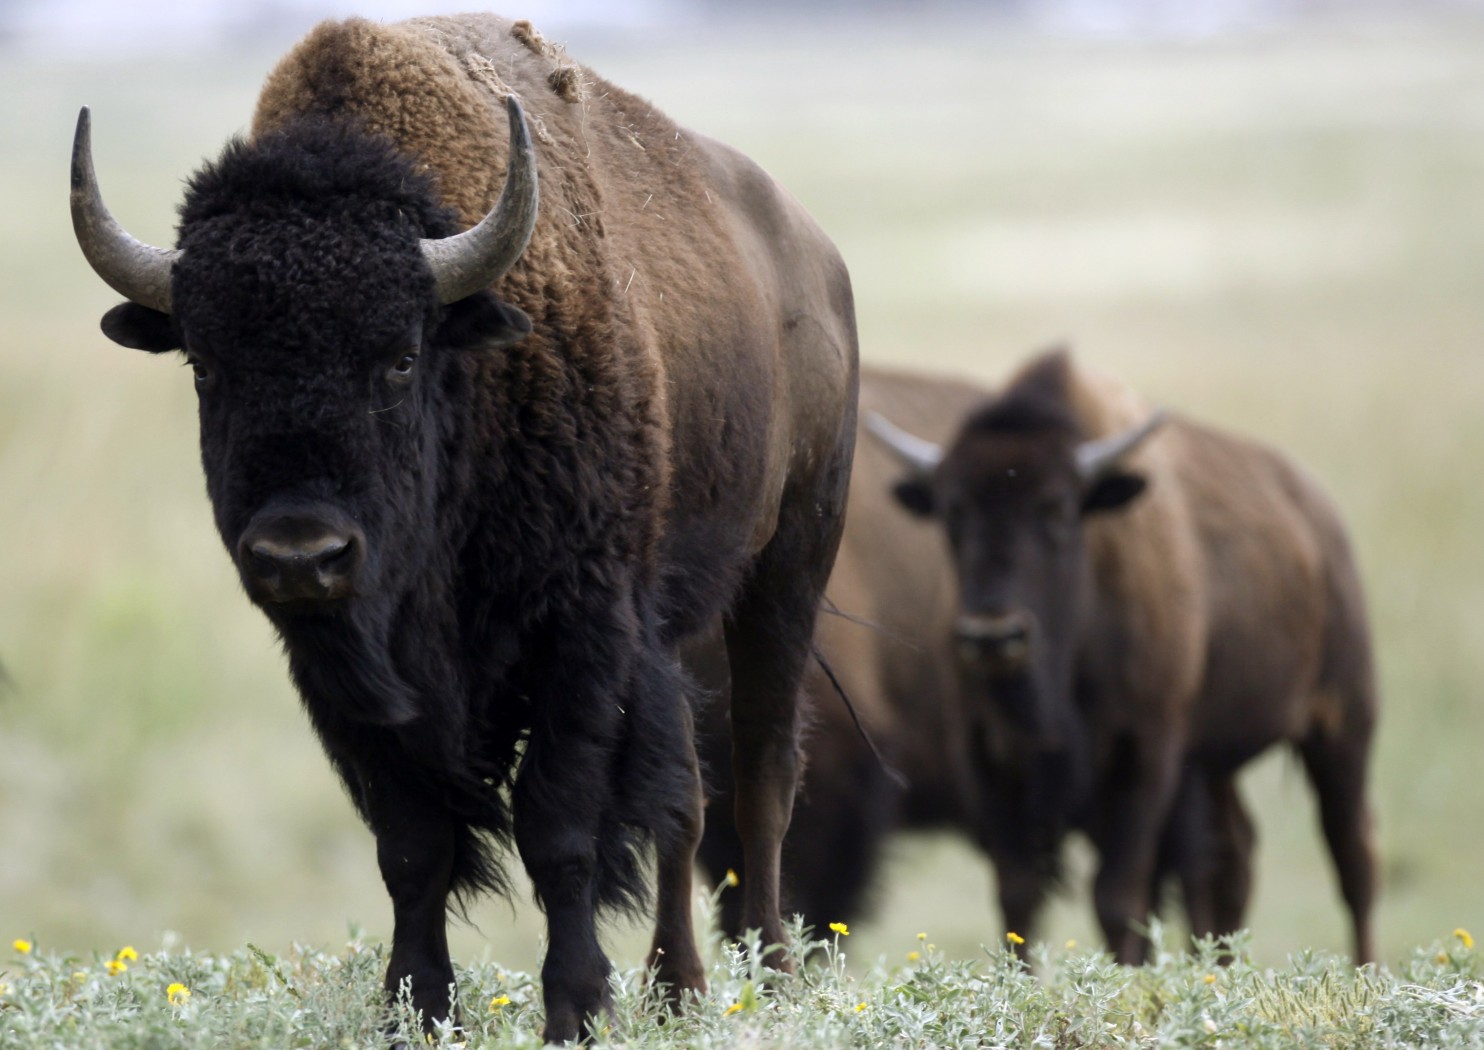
402	370
199	369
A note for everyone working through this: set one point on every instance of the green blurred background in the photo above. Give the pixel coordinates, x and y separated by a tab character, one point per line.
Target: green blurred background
1277	228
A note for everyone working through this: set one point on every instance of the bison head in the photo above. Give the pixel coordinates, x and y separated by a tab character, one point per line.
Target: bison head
1013	491
326	306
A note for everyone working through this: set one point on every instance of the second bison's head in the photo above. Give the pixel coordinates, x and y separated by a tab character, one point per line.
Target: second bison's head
322	298
1013	491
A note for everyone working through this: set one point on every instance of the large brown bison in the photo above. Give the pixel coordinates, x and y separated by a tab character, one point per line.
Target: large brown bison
485	483
1116	618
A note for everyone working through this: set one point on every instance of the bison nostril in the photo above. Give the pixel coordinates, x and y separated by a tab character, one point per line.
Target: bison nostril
1002	639
261	564
290	560
337	559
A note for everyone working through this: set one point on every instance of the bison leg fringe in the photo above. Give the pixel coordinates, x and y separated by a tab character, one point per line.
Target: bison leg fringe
656	782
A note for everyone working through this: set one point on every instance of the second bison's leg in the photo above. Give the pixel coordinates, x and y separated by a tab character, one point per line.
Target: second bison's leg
1135	803
1022	889
1231	881
1337	769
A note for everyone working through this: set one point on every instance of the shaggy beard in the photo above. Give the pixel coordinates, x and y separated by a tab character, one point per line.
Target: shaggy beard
343	666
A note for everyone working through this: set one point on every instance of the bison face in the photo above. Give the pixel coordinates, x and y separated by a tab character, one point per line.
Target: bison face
1013	492
328	313
1012	505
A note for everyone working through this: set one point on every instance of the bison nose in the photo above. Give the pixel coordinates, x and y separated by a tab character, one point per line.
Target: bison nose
998	643
300	560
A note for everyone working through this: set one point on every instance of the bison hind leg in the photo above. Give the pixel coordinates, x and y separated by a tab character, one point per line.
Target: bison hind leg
659	799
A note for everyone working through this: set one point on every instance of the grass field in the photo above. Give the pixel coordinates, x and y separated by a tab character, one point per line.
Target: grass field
1282	233
1075	998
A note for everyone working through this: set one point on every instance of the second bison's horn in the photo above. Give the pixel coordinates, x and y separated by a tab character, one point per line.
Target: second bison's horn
473	260
1096	457
921	455
140	272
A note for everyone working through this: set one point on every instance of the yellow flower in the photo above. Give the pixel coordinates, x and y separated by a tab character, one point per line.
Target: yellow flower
735	1008
840	928
79	976
1463	935
1210	978
127	954
913	956
177	993
922	936
731	879
115	967
1440	958
859	1007
1071	944
499	1001
1014	938
21	945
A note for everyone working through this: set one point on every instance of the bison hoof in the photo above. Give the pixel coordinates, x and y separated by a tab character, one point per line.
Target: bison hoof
678	976
567	1015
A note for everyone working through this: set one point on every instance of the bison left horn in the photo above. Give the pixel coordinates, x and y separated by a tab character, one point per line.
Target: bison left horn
1094	458
140	272
920	454
475	259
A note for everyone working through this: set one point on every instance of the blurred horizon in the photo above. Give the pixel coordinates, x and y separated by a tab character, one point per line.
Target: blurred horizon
46	30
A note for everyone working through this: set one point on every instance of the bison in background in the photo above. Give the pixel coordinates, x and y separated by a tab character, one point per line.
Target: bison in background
486	483
1088	620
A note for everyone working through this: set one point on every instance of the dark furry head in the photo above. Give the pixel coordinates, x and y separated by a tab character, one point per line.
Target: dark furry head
326	372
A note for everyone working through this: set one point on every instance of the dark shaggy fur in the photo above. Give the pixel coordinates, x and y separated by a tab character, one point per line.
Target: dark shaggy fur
384	663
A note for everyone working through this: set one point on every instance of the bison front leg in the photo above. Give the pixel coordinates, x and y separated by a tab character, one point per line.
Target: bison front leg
1136	799
415	843
561	796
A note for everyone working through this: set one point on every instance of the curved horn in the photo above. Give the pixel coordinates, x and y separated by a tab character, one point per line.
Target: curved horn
140	272
475	259
919	454
1096	457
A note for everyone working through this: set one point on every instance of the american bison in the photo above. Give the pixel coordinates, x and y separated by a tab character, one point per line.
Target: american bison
1117	616
486	483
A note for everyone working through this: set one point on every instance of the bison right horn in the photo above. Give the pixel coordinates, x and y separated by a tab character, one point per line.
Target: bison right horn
139	272
920	454
475	259
1096	457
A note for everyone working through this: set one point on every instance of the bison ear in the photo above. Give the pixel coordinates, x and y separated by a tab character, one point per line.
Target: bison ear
140	328
1113	490
482	322
916	495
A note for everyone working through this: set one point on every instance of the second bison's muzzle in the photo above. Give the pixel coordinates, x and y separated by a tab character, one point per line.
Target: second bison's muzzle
302	559
996	644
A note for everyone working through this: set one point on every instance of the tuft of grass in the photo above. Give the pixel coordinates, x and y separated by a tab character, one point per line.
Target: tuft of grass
176	998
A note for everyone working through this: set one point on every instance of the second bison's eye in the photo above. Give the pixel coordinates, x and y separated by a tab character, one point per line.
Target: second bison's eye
199	369
402	370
